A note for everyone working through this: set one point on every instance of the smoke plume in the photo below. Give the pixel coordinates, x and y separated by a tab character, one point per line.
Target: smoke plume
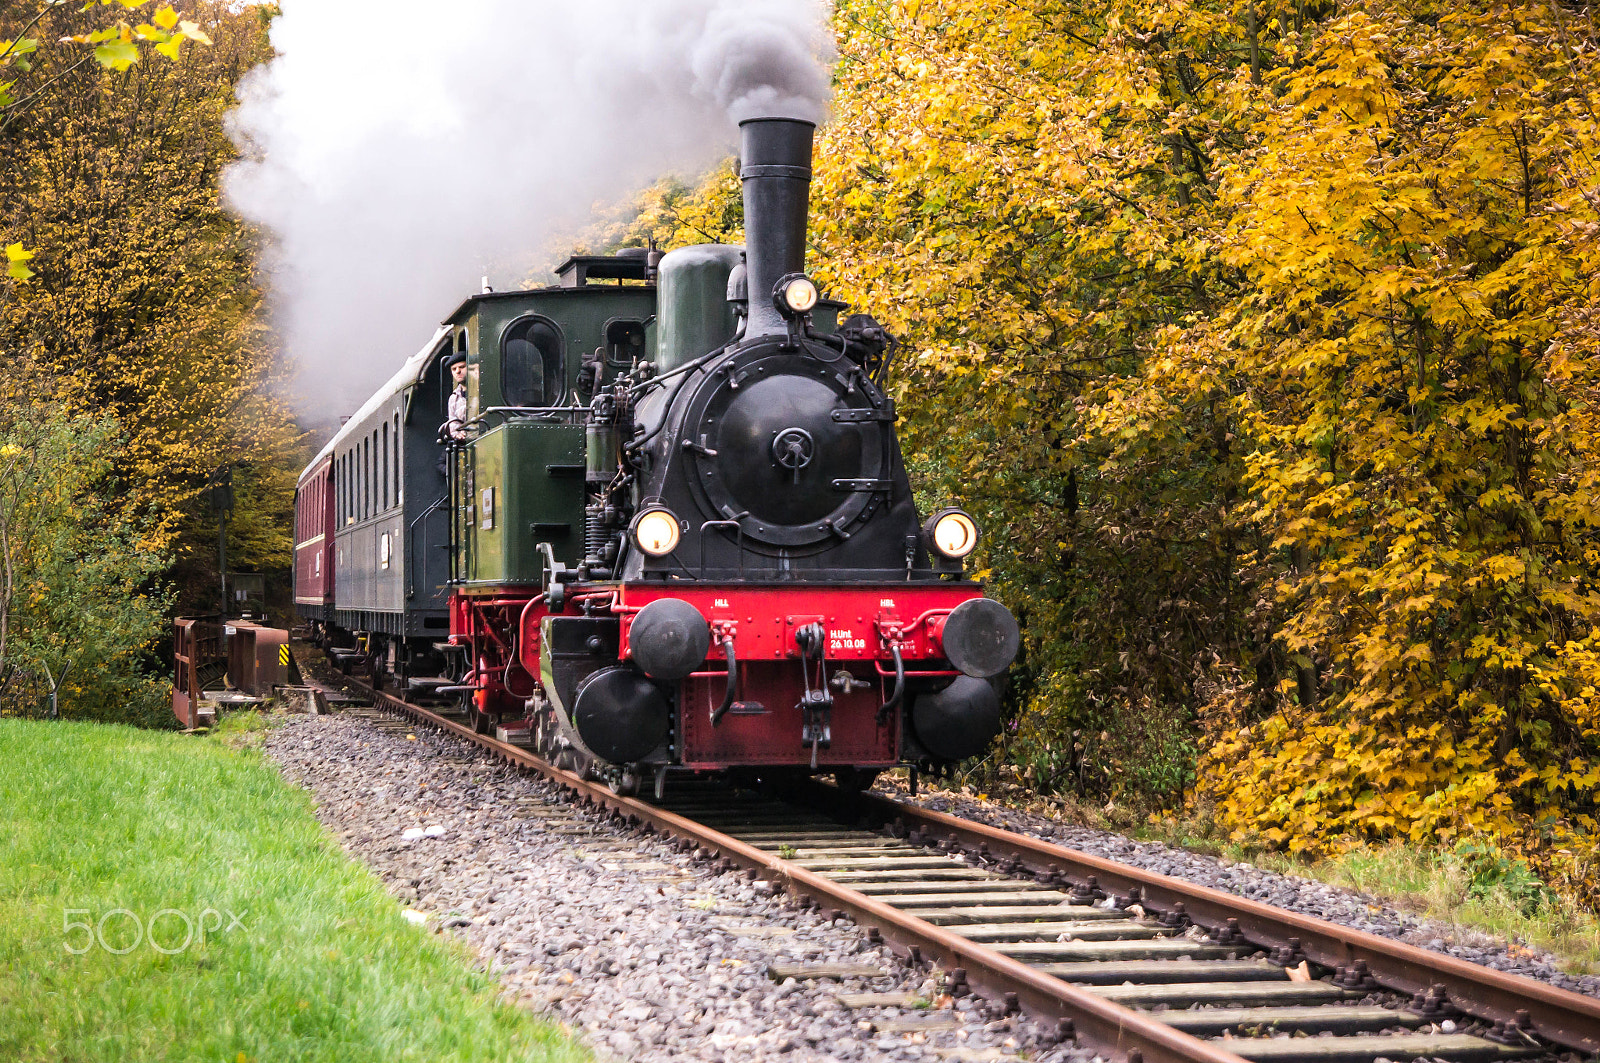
397	153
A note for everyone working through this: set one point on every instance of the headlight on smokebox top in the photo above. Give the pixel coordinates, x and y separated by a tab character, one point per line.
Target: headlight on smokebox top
795	294
657	532
951	533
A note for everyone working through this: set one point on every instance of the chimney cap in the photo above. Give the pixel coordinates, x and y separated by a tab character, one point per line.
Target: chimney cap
778	118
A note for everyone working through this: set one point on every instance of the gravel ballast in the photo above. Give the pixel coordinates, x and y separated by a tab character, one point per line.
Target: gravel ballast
647	953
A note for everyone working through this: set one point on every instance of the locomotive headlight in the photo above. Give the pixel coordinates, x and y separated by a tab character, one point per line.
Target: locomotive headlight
657	532
952	533
794	294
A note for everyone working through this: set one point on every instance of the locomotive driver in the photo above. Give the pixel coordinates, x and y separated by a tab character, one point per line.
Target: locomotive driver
456	427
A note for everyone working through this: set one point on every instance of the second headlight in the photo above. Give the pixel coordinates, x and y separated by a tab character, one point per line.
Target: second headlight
952	533
656	531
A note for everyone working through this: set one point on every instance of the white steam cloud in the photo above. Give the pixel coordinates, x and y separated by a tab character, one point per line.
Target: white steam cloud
398	152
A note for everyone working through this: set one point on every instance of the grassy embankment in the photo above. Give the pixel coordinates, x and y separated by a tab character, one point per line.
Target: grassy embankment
145	834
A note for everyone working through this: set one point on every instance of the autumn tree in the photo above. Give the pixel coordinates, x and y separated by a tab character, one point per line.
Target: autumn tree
145	305
142	319
1413	363
1023	192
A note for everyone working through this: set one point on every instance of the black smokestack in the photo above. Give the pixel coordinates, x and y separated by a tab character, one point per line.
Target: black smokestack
775	166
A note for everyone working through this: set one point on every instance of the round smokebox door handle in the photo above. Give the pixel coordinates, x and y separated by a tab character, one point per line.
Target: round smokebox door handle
793	448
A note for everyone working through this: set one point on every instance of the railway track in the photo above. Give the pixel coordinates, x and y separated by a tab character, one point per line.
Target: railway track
1141	967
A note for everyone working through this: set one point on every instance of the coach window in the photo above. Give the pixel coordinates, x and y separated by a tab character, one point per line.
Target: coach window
386	465
366	477
397	455
532	369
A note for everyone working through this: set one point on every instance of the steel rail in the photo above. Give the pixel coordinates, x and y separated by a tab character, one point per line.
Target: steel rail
1100	1023
1563	1017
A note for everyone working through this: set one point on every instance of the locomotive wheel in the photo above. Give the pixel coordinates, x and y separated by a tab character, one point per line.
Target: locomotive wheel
626	784
855	780
482	722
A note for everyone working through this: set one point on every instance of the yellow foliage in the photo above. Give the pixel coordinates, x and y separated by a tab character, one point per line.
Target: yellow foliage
144	306
1280	377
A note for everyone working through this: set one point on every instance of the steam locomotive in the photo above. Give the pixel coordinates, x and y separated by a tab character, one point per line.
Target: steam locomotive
679	534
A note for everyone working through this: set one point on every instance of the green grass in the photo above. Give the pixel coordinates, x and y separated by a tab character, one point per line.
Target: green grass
1445	887
104	818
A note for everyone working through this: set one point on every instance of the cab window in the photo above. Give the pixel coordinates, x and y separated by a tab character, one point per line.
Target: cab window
624	343
532	365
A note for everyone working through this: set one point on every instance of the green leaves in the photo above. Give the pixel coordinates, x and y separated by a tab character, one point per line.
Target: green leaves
10	51
116	55
77	573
